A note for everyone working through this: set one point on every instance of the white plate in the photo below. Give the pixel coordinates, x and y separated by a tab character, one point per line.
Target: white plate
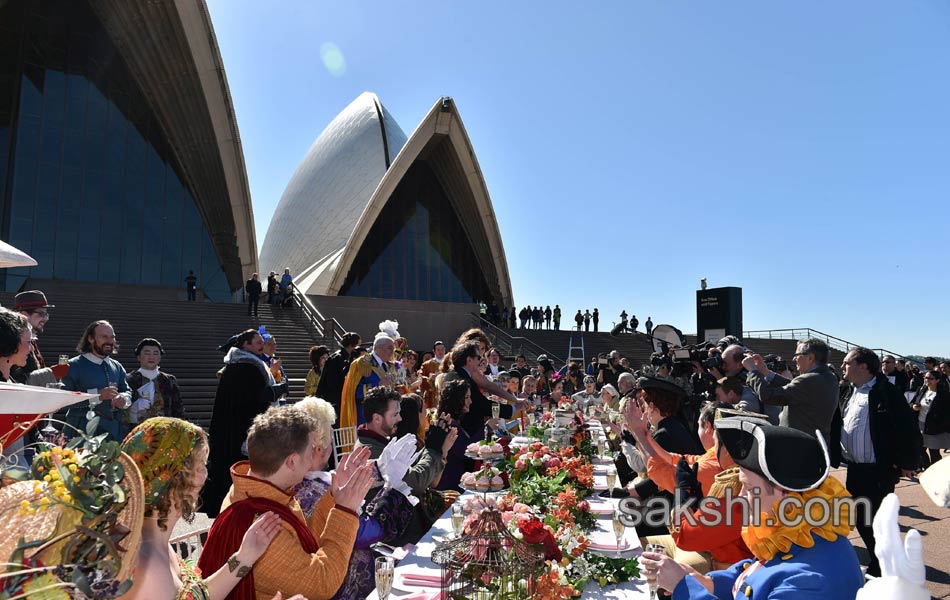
484	456
475	490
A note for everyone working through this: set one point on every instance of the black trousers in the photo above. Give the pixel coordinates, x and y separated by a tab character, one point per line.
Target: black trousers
252	302
874	483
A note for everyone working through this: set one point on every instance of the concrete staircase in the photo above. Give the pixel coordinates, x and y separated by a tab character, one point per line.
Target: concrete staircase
189	331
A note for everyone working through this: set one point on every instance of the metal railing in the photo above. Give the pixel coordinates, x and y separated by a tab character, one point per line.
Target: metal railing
513	345
323	326
802	333
189	545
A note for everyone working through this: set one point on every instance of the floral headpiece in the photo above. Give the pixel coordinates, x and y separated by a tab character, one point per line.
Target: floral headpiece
160	446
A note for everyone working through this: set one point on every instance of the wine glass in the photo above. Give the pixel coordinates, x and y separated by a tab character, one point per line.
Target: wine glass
458	518
657	549
384	576
600	447
64	359
619	528
611	477
495	410
49	431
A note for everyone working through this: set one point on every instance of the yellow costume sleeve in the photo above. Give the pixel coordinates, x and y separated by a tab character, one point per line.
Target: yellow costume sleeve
359	369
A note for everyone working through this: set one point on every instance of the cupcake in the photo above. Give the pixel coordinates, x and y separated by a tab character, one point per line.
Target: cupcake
468	479
497	483
482	484
473	448
485	451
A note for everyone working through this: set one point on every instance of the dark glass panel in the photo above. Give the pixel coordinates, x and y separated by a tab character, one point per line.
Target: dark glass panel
171	233
88	256
68	239
417	248
93	187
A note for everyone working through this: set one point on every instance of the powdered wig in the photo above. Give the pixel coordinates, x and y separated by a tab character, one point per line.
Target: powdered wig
323	413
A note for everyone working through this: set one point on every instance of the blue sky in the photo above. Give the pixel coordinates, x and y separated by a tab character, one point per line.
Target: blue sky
799	150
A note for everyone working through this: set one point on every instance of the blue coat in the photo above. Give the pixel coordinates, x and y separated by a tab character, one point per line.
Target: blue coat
826	571
85	375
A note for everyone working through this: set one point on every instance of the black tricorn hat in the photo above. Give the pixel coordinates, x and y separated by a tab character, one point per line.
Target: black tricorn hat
789	458
657	383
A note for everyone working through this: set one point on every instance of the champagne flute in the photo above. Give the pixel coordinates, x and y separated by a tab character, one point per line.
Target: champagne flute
619	528
384	576
495	410
49	431
458	518
657	549
600	447
64	359
611	477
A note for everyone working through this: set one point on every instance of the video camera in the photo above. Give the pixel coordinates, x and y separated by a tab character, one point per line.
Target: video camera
603	361
683	359
775	363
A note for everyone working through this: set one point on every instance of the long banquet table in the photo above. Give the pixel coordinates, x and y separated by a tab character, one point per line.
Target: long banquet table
420	557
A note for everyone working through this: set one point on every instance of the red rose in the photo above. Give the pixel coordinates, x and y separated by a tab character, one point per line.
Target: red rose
535	533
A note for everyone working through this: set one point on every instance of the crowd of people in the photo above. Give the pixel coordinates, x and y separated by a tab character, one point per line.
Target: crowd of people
535	317
297	511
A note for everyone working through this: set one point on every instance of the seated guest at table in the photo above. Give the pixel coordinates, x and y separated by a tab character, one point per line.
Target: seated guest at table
456	401
589	396
382	408
703	548
661	400
432	503
171	454
308	556
385	518
529	394
797	558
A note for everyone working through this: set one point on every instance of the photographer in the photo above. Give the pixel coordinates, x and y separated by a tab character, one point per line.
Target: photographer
732	366
609	369
809	400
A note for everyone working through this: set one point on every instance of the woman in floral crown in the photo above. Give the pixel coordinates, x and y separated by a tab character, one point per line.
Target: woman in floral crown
171	454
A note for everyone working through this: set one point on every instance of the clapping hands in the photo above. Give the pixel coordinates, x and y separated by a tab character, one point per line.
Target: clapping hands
353	479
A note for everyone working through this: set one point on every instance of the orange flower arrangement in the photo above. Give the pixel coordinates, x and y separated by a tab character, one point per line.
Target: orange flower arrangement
549	586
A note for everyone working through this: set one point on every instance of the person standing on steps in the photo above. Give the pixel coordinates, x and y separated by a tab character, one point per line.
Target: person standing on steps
547	317
649	325
253	290
596	319
557	317
579	319
191	284
586	320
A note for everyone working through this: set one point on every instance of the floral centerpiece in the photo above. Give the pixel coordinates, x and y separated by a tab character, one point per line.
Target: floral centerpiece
71	526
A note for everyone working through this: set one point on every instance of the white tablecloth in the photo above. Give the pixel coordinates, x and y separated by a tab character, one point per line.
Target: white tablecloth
420	557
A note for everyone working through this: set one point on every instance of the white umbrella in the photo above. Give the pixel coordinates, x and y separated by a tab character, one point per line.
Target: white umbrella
11	257
22	405
29	400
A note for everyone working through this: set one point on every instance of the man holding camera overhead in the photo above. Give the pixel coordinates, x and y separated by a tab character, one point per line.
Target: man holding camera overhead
810	399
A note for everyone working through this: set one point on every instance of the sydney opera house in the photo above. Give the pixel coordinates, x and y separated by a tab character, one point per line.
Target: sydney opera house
372	213
121	163
120	159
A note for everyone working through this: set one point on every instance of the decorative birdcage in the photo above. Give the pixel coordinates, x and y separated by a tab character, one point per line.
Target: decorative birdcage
557	437
488	562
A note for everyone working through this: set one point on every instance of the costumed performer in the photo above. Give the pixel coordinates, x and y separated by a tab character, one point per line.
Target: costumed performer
171	455
801	558
366	372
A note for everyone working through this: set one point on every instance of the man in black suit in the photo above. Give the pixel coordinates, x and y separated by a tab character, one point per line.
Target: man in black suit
879	438
893	374
810	399
330	387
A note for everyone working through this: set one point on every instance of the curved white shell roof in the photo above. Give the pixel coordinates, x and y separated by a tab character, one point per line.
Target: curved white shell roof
329	190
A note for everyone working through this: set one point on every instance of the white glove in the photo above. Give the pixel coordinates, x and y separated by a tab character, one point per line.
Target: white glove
403	488
903	575
396	458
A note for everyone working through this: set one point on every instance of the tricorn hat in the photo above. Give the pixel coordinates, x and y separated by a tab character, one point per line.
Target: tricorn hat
657	383
31	299
789	458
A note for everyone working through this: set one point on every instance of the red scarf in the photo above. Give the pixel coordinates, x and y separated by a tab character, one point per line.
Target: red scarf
228	530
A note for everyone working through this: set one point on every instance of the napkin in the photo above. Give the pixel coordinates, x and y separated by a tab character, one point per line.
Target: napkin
602	509
609	546
424	596
420	579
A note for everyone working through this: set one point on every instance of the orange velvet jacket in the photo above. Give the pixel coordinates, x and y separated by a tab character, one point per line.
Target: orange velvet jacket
285	566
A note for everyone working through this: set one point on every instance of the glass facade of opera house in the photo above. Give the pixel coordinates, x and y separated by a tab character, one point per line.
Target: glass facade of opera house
89	186
417	249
